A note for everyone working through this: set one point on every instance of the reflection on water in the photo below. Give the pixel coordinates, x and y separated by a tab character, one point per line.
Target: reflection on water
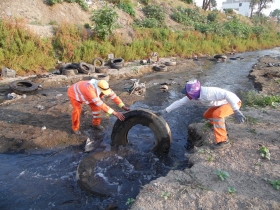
46	180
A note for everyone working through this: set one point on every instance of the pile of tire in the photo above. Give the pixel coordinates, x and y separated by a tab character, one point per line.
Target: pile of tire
72	69
101	71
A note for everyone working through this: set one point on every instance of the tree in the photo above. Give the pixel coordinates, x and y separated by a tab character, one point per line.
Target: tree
275	13
208	4
263	4
253	3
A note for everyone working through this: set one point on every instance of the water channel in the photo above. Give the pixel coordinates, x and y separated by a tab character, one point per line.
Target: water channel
47	180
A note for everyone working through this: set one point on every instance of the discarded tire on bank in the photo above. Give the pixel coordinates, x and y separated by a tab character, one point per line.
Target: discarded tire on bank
23	86
117	63
98	62
105	77
70	72
170	63
89	181
146	118
102	69
68	66
220	56
84	68
160	68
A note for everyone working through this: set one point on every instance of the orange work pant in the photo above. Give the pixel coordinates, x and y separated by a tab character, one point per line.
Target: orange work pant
77	110
216	115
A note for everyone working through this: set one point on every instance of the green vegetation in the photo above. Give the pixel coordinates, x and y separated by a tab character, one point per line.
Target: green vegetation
275	184
231	190
223	175
165	195
256	100
264	151
82	3
203	32
105	22
129	201
127	7
23	51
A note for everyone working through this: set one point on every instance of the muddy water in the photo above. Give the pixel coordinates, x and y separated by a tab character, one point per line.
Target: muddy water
46	179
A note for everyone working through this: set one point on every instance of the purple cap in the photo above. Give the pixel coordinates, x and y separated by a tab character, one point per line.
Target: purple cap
193	89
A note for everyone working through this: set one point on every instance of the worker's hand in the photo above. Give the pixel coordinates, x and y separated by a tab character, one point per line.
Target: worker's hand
239	116
119	115
160	112
125	108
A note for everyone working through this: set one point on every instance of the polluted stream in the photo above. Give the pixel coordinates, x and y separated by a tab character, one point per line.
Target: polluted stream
47	179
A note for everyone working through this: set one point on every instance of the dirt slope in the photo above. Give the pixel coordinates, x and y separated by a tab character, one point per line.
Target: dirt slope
36	12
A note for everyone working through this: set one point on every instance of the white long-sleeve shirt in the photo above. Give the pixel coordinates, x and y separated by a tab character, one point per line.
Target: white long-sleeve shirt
210	96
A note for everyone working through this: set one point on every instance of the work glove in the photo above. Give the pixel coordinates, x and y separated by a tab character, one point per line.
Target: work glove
239	116
160	112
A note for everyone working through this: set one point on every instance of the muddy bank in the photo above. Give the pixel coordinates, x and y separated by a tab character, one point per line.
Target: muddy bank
247	186
42	120
266	75
27	128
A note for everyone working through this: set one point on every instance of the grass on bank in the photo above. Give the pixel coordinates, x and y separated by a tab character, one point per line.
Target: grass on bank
253	99
26	53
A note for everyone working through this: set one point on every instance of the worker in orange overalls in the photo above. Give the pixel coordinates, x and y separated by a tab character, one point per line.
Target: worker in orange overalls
222	103
91	92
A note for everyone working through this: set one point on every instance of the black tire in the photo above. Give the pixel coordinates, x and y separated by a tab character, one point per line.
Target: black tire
23	86
117	63
220	57
87	179
102	69
84	68
160	68
147	118
170	63
69	72
98	62
68	66
105	77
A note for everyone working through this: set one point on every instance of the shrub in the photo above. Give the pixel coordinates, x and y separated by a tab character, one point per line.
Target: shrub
126	7
154	11
23	51
188	1
105	21
148	23
212	16
82	3
145	2
229	11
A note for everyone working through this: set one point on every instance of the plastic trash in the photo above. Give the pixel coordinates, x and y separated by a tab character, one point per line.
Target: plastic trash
8	72
89	145
40	107
12	96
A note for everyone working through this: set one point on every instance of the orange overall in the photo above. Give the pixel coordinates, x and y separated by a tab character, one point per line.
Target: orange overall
216	115
85	93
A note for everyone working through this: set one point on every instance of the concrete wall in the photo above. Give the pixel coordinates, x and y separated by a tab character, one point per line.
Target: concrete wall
241	6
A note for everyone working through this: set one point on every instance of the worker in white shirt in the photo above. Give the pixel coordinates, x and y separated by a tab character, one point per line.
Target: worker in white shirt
222	103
